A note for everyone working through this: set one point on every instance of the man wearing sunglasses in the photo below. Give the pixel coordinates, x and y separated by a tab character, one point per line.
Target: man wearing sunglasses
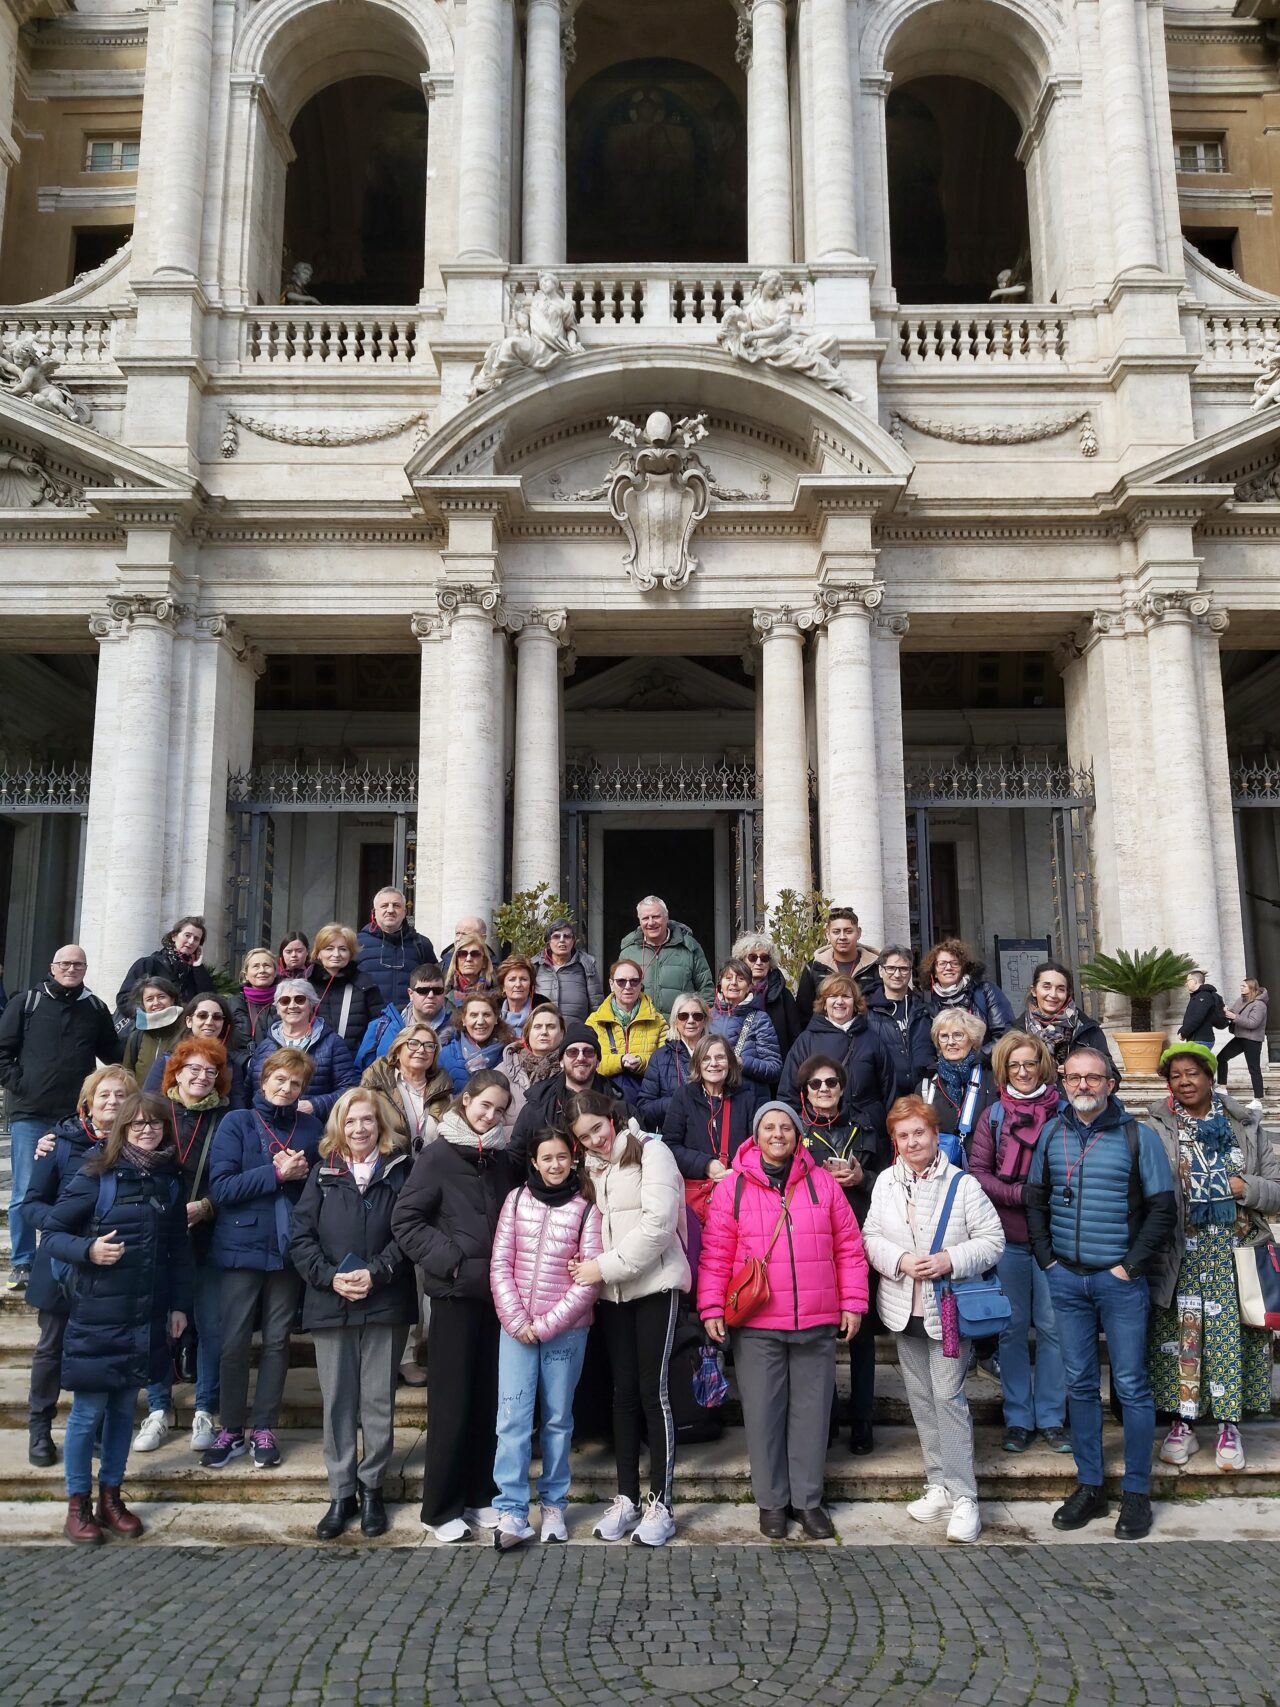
1100	1212
427	1005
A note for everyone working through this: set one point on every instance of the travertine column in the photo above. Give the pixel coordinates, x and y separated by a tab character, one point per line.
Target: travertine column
433	757
855	877
11	16
1231	967
544	171
471	881
535	846
830	132
1124	119
482	137
181	185
887	630
124	857
769	240
780	759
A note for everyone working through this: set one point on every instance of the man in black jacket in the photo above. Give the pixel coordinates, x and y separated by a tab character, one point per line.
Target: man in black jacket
1204	1011
51	1038
902	1017
389	948
545	1103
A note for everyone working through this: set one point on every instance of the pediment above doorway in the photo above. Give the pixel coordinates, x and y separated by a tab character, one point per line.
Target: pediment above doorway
1238	464
652	684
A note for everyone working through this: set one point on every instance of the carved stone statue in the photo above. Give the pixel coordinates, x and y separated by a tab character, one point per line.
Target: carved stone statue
761	331
296	290
545	330
26	371
1006	290
659	495
24	485
1266	388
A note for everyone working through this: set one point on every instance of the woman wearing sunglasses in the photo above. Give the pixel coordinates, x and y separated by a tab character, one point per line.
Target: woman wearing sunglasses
670	1066
300	1027
629	1027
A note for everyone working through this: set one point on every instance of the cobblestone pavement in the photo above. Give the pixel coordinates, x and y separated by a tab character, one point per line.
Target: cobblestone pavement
280	1627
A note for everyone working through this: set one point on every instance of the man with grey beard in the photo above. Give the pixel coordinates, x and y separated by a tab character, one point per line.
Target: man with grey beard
1100	1210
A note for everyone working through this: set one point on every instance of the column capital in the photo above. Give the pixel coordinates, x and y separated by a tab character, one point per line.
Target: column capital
523	623
221	627
127	609
838	598
471	601
742	39
772	621
1181	605
890	624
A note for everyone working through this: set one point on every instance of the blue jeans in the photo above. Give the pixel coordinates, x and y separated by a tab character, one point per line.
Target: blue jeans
23	1137
114	1411
548	1371
1038	1401
1084	1303
207	1304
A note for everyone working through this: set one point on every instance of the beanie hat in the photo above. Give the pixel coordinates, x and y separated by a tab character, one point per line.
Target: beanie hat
577	1032
558	925
1201	1052
767	1107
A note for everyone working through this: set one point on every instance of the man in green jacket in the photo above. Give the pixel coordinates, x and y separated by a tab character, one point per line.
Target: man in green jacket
668	954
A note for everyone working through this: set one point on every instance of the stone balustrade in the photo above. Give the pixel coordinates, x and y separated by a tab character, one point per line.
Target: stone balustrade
1234	336
949	337
333	338
74	337
688	297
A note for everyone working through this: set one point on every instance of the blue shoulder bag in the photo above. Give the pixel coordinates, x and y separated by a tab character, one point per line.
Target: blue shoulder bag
982	1309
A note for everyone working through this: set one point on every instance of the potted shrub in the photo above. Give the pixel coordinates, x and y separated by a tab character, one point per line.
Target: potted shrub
1139	977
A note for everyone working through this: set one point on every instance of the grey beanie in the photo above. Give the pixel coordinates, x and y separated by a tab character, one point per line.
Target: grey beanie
767	1108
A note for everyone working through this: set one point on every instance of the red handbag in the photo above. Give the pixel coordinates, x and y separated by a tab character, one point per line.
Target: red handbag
748	1290
697	1192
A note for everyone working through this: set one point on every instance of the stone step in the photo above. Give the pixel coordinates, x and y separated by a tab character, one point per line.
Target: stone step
714	1470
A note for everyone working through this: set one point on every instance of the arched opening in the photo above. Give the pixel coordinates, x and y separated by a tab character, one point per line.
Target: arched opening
957	193
657	165
355	196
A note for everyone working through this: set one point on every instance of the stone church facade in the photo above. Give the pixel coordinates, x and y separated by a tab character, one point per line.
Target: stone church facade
705	446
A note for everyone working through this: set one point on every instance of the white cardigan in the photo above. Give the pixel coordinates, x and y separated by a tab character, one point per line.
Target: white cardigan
974	1240
643	1223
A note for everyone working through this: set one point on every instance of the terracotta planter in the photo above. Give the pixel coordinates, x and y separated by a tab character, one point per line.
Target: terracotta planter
1141	1050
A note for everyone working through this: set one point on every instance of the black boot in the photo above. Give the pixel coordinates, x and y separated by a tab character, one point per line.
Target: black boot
336	1519
40	1448
373	1514
1081	1507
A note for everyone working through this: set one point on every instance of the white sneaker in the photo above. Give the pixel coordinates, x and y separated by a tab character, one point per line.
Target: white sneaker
481	1516
1229	1454
618	1522
657	1526
966	1523
204	1431
154	1432
932	1507
1180	1443
454	1530
553	1528
1256	1105
512	1532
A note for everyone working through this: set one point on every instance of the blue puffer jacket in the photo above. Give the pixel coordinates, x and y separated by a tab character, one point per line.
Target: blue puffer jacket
335	1070
50	1177
748	1031
668	1069
389	959
460	1065
255	1211
1116	1205
118	1326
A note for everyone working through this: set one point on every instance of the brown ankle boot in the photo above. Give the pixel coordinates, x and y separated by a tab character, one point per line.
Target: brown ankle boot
113	1514
80	1526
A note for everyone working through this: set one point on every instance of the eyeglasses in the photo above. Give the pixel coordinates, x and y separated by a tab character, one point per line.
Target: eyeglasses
1080	1080
1024	1067
823	1084
71	965
688	1019
760	956
626	983
419	1046
470	954
579	1052
293	1002
197	1071
427	990
896	967
143	1124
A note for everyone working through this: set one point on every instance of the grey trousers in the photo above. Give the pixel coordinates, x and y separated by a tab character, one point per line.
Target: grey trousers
357	1369
786	1379
940	1411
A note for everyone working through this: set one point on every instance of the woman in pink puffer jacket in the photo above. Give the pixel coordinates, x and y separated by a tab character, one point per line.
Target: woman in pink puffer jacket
785	1354
544	1315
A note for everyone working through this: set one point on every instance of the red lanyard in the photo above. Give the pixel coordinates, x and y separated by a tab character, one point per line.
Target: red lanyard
88	1131
724	1129
274	1143
177	1136
1073	1167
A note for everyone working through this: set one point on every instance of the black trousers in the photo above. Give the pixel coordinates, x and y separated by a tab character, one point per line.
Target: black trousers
46	1367
638	1334
1252	1051
278	1291
462	1408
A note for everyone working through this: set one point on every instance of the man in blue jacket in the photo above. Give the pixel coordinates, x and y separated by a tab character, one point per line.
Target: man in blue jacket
390	948
1100	1211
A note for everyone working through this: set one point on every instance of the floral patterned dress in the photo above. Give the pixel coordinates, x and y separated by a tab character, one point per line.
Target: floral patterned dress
1202	1362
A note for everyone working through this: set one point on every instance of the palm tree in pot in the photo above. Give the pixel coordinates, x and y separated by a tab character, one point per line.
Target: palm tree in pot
1140	978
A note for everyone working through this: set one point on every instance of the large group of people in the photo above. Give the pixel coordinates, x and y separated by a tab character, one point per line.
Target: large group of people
466	1171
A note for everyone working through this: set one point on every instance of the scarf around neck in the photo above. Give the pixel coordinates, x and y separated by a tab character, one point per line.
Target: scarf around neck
454	1129
553	1196
258	995
953	995
954	1076
165	1155
213	1100
1054	1031
1205	1148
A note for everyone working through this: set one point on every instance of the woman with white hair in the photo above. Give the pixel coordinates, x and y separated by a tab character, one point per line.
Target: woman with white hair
299	1026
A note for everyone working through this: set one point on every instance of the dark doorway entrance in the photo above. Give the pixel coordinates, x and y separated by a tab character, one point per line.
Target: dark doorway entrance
679	865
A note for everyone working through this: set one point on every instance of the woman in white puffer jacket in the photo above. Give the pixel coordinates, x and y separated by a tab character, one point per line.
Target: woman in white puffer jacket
638	1190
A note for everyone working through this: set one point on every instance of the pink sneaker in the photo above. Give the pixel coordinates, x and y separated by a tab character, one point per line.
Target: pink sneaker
1179	1443
1229	1453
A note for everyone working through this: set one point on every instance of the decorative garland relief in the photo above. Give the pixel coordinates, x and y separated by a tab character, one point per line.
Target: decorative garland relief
282	433
998	432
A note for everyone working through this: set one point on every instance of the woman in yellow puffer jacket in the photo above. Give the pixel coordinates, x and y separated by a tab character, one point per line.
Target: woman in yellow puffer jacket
629	1027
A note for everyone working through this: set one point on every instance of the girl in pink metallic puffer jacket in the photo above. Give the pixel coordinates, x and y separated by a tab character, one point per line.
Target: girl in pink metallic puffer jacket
545	1315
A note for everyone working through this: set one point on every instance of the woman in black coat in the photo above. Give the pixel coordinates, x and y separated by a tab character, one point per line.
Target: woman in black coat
120	1233
445	1221
709	1116
177	959
348	999
841	1029
1051	1015
207	1018
770	987
360	1300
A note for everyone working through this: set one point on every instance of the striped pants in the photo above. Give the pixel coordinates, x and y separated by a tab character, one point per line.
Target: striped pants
940	1411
